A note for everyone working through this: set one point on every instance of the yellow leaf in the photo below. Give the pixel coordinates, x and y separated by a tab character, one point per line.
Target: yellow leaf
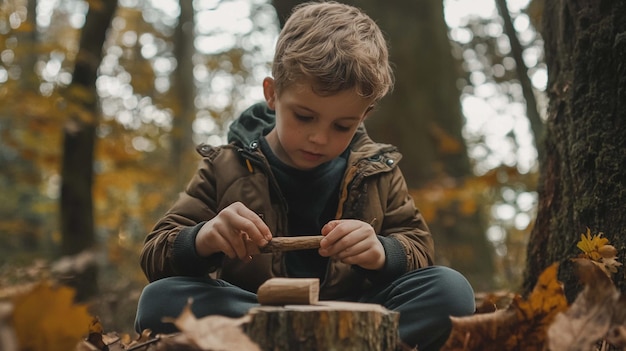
46	319
521	326
547	297
592	244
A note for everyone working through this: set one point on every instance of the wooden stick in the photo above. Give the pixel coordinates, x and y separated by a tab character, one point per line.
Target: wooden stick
291	243
286	291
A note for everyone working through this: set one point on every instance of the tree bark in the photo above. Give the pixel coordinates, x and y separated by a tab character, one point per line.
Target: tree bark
330	325
582	176
77	223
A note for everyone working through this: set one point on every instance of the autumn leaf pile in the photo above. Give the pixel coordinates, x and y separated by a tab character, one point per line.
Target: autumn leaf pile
43	317
545	321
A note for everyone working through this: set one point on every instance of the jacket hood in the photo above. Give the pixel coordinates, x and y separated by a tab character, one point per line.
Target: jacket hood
256	121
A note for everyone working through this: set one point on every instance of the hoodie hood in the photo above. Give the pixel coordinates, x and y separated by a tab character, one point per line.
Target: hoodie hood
256	121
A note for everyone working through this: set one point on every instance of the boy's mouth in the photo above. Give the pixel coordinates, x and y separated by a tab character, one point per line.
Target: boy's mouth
311	155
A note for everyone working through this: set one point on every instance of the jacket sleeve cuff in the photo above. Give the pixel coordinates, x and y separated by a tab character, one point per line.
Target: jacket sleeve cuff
186	258
395	262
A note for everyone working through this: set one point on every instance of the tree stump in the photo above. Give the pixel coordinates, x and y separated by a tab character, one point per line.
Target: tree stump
328	325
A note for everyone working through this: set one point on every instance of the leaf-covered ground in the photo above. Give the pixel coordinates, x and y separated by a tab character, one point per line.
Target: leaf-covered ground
42	316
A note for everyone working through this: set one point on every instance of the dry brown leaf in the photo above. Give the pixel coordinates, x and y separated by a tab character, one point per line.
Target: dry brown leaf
493	301
522	326
215	333
590	317
98	340
46	319
616	336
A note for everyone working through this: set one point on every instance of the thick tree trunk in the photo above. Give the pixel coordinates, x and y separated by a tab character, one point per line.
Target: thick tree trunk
329	325
77	227
583	175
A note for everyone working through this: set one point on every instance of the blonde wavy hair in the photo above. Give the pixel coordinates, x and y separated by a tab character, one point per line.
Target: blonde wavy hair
334	47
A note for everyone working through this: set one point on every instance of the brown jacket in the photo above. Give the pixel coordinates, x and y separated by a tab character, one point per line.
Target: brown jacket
373	190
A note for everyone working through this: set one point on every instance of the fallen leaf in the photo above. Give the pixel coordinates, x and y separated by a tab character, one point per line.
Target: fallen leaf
591	315
215	333
521	326
46	318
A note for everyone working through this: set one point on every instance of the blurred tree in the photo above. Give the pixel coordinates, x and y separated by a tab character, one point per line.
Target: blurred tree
26	133
184	86
583	181
28	37
499	125
77	224
423	118
517	51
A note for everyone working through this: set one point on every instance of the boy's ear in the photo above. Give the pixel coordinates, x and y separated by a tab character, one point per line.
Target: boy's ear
269	92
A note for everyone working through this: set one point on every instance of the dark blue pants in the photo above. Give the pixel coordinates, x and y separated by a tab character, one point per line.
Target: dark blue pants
424	298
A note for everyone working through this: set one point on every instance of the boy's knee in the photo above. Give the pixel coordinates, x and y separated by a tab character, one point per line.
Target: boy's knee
455	291
150	308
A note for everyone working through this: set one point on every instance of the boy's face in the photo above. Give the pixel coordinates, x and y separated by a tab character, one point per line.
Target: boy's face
312	129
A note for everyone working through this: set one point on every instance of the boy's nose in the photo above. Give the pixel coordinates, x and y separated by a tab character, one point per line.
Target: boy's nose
318	137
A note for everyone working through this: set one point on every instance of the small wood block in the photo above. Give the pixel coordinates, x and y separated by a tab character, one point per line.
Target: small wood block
286	291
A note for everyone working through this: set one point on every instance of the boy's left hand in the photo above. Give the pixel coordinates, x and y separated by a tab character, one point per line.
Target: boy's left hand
352	242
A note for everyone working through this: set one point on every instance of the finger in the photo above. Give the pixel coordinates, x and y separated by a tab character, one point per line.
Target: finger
236	240
328	227
356	259
223	245
252	224
353	250
335	248
254	233
252	248
338	231
344	236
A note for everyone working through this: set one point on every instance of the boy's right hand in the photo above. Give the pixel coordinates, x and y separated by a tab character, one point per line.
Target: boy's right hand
236	231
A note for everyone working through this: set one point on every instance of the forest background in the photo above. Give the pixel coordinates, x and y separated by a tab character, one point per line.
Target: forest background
145	83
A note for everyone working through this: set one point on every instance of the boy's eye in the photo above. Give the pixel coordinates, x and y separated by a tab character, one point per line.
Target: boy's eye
303	118
342	128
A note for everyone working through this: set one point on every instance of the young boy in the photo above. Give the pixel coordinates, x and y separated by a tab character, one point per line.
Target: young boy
298	164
